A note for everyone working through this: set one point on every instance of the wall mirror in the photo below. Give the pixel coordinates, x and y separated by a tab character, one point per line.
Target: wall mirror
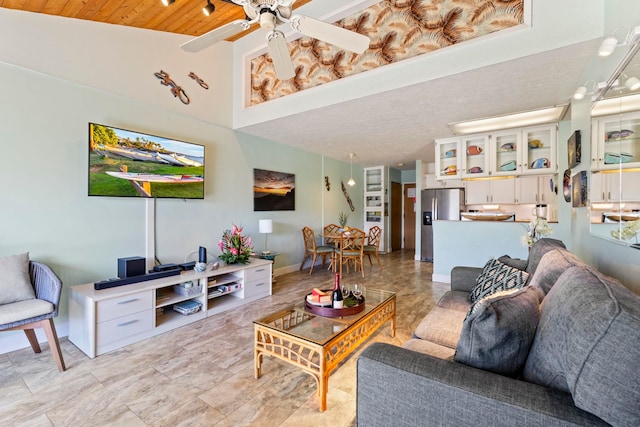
615	154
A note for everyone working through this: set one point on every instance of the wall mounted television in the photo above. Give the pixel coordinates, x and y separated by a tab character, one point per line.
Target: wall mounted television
125	163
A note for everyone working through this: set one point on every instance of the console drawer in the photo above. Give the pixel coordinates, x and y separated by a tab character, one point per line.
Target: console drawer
121	306
258	273
257	288
122	327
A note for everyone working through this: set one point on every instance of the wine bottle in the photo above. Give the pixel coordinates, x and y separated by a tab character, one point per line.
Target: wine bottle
336	296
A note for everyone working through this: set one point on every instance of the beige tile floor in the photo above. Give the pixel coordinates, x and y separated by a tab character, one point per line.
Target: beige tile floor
202	374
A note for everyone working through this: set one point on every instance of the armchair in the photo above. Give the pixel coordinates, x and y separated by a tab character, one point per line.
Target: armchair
37	312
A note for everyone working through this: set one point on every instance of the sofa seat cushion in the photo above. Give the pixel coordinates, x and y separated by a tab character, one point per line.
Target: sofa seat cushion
551	266
455	300
26	309
588	342
497	334
441	326
430	348
495	277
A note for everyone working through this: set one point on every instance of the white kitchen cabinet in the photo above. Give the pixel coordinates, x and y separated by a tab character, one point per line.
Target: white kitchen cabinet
615	142
430	181
615	187
448	159
524	151
535	189
474	153
375	202
492	191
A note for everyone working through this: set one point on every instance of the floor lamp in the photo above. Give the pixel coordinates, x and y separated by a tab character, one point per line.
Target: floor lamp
265	226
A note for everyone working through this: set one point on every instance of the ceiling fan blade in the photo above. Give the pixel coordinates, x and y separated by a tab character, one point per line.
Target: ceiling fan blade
215	35
330	33
280	55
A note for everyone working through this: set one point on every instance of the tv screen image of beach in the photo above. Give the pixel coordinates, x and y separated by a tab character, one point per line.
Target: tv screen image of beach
124	163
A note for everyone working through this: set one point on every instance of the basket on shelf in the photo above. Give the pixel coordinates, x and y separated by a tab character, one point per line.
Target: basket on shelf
187	307
187	288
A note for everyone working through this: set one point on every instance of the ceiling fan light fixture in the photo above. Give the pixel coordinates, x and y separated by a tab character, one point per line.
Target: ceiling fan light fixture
168	2
209	8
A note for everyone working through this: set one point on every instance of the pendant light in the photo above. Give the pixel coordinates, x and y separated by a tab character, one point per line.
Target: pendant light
208	9
351	182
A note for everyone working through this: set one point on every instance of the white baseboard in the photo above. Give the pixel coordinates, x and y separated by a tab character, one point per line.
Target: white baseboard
442	278
16	340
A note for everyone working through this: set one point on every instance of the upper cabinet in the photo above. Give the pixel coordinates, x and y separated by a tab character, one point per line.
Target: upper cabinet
375	201
448	164
615	142
523	151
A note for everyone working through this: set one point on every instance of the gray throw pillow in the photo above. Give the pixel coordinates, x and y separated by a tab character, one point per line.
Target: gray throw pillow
495	277
499	330
15	283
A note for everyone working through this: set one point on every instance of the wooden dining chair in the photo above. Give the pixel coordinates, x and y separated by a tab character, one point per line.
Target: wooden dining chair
311	250
373	244
352	249
329	230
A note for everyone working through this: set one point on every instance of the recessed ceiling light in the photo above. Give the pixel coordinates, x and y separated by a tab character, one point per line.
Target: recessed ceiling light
527	118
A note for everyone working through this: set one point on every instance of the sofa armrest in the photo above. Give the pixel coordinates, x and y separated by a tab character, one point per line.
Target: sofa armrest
464	278
400	387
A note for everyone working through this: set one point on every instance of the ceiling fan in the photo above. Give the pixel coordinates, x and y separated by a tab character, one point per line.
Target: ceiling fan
269	14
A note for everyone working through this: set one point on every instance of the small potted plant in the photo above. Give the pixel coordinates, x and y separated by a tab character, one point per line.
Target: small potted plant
343	217
236	247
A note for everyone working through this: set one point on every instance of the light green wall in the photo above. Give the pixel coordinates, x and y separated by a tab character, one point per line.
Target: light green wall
46	210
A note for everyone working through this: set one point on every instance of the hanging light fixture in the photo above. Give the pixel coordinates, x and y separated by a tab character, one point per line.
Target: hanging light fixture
351	182
209	8
168	2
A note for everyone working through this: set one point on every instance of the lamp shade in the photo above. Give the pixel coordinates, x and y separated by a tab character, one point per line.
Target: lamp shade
265	226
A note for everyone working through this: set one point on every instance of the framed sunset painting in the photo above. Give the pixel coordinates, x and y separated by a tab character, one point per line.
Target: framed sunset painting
273	191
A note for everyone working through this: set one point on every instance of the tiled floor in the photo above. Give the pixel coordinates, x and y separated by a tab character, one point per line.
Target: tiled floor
202	374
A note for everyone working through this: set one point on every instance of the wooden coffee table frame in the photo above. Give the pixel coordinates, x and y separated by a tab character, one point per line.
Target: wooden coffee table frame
317	359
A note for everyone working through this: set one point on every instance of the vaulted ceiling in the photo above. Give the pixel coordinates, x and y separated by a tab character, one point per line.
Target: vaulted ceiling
389	128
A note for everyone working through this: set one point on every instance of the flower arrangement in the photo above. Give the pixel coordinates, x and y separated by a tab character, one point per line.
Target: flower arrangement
536	230
629	231
235	247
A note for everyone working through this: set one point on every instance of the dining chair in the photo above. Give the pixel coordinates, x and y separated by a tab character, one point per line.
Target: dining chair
373	244
352	249
331	229
311	250
36	312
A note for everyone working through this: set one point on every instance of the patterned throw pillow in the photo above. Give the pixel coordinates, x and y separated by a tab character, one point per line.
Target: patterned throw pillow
495	277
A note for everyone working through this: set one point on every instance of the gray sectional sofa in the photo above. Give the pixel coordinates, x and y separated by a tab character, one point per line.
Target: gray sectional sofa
562	350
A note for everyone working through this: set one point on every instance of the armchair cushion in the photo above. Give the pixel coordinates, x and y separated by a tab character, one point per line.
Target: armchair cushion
15	283
21	310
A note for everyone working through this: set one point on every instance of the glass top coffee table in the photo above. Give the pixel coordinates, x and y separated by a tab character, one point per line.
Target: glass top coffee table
317	344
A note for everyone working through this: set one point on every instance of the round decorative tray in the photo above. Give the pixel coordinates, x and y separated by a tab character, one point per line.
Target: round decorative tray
334	312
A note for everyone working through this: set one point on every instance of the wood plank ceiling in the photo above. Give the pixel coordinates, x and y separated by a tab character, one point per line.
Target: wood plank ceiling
182	17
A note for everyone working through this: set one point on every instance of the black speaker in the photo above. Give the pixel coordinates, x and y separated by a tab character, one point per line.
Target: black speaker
202	254
131	266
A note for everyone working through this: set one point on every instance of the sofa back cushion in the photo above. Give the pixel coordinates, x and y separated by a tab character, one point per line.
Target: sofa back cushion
15	282
551	266
588	344
538	250
495	277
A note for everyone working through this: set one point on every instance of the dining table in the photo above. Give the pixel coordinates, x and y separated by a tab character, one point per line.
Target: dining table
336	238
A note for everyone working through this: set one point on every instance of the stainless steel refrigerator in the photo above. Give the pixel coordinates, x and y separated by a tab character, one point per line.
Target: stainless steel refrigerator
438	204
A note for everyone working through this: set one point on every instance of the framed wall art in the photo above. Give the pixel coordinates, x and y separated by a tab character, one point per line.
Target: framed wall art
579	189
574	149
273	191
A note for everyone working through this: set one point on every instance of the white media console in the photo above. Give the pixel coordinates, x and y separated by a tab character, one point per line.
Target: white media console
107	319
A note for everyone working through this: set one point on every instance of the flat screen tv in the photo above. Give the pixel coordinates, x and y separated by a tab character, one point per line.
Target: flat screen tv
125	163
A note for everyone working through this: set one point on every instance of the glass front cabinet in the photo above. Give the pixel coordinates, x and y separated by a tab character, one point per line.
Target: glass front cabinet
375	201
616	142
521	151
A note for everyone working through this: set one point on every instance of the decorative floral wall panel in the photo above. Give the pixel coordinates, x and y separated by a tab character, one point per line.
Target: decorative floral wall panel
399	29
